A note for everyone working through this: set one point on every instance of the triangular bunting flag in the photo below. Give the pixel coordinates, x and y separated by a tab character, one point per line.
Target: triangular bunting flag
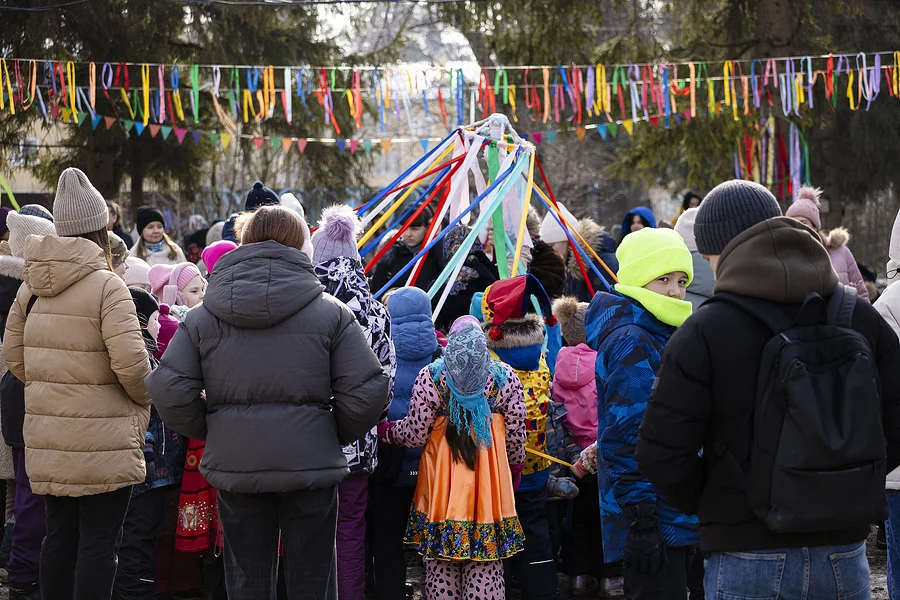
82	117
258	141
95	120
301	144
109	121
602	130
129	125
677	120
687	115
367	146
613	129
579	131
180	133
424	143
166	131
55	111
525	136
629	126
66	113
386	146
354	144
286	144
139	127
276	142
654	121
537	137
196	134
154	129
226	139
341	144
213	139
551	136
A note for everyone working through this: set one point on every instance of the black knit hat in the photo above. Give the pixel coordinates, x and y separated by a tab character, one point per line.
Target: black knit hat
730	209
147	215
260	195
145	305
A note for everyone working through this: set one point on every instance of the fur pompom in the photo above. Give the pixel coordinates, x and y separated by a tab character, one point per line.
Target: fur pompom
809	193
339	223
551	321
565	308
496	334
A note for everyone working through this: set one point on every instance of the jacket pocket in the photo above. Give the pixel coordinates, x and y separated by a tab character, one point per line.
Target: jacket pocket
745	575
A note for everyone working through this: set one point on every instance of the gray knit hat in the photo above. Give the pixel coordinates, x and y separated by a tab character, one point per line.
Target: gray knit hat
21	226
338	229
730	209
570	313
79	208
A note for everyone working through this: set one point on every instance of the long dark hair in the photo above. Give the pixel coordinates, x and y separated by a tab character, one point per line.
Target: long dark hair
101	238
462	445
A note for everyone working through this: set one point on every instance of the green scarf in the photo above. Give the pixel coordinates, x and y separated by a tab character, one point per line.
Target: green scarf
670	311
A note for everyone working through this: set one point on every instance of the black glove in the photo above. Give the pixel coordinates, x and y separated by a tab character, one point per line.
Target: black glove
645	547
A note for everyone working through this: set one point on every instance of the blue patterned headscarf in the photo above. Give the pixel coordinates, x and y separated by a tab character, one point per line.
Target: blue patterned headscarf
468	365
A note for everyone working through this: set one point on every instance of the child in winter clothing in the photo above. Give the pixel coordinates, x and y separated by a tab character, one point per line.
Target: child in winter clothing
516	337
339	269
629	329
636	219
180	286
164	455
212	253
395	479
467	410
701	288
575	387
806	210
154	245
137	273
28	531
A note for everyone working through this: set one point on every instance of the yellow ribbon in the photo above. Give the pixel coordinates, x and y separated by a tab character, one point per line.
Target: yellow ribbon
520	238
32	87
546	71
269	91
547	457
70	75
92	90
896	77
176	103
512	102
693	75
12	102
850	91
145	85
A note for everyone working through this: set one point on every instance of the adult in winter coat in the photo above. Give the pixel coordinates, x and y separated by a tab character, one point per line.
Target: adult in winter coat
629	328
806	210
73	337
701	288
636	219
154	245
28	511
605	246
705	394
403	251
287	373
416	346
340	271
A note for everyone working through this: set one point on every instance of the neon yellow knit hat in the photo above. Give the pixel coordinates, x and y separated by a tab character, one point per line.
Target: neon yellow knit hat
649	253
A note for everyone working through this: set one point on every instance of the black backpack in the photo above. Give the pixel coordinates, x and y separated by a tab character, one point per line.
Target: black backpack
817	457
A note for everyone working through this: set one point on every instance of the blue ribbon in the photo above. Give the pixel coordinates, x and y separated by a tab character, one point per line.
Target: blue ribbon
666	107
253	82
302	93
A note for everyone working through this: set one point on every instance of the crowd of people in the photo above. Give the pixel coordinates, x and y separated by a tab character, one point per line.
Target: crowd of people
703	409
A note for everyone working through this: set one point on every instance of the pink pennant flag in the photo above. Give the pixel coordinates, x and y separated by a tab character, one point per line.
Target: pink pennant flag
180	133
109	121
154	129
258	141
687	115
301	144
354	144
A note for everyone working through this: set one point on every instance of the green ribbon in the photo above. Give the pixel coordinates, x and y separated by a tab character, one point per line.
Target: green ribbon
9	192
497	217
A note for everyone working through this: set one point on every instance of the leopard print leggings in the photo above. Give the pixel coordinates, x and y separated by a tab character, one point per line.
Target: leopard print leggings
464	580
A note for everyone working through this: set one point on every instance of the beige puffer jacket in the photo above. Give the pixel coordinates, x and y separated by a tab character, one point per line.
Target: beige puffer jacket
83	361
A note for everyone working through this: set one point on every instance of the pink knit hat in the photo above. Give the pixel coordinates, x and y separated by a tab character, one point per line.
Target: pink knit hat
168	281
807	205
168	325
212	253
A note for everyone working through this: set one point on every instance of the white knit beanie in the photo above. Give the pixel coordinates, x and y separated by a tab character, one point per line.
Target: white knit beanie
79	208
685	227
138	272
21	226
551	232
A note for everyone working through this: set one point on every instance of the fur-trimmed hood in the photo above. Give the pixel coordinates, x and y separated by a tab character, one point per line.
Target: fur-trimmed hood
12	267
836	238
597	238
515	333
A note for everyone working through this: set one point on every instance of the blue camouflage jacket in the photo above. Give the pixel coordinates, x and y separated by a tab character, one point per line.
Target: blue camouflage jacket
629	341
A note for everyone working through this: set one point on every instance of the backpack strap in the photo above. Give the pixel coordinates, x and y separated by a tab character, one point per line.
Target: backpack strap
760	310
30	305
841	305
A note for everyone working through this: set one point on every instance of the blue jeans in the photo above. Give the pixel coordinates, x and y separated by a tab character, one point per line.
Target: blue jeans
892	534
838	572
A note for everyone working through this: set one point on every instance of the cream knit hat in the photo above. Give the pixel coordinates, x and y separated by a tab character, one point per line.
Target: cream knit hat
138	272
21	226
79	208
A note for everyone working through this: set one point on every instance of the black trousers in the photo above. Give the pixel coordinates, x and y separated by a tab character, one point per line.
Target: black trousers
307	520
582	550
136	577
389	514
671	582
535	566
78	556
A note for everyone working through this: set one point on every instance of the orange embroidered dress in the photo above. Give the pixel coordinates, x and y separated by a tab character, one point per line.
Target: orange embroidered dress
459	513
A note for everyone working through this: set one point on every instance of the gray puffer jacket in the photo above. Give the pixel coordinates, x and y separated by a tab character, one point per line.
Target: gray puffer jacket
287	371
701	288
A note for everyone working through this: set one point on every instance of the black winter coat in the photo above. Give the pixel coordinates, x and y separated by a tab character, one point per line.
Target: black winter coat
706	388
288	375
12	391
397	258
